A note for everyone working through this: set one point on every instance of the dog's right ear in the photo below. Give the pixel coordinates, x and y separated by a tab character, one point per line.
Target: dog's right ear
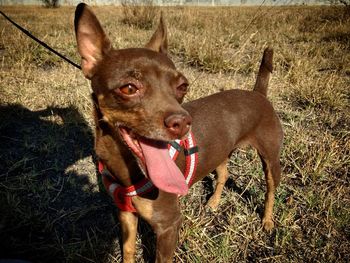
92	42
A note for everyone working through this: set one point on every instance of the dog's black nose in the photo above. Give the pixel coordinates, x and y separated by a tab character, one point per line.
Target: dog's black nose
178	124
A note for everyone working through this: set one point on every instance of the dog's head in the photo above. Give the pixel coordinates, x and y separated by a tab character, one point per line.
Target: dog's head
138	91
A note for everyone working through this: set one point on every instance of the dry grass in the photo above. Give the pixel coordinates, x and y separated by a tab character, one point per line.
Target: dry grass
141	16
51	206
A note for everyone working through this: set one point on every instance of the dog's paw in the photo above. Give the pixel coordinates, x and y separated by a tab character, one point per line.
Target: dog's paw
212	204
268	224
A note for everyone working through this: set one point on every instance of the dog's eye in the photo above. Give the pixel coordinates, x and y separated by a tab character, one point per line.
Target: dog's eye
128	89
183	88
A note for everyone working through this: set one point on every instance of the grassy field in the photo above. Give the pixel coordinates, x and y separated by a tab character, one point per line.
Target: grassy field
51	208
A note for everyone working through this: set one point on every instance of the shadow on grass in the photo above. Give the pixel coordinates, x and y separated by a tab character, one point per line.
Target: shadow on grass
50	209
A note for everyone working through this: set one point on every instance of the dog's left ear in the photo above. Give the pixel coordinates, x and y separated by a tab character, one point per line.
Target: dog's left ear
159	40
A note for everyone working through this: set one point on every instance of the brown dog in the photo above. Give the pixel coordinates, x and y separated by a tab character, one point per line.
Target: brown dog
137	94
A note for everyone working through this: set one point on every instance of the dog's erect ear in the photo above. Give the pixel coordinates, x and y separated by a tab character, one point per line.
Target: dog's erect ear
159	40
92	42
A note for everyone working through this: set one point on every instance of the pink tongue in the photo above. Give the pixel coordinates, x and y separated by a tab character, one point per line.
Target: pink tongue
162	170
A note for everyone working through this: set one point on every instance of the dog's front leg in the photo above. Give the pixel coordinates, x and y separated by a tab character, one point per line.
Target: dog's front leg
128	223
164	216
167	235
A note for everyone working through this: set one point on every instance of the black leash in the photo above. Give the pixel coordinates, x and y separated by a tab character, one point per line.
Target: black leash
41	42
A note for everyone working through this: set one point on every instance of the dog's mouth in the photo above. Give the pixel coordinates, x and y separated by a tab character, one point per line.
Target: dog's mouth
155	162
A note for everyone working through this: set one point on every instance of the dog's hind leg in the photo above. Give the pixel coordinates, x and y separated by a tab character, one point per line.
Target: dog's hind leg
272	172
269	152
222	175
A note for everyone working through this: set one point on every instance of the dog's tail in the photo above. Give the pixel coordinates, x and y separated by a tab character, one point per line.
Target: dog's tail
265	70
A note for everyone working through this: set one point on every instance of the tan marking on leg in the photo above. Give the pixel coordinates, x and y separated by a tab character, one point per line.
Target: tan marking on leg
272	175
267	220
128	223
222	175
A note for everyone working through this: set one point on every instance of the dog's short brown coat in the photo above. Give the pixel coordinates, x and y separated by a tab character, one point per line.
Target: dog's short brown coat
140	88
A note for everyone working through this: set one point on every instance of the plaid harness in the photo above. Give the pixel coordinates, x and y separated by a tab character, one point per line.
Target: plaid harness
123	195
